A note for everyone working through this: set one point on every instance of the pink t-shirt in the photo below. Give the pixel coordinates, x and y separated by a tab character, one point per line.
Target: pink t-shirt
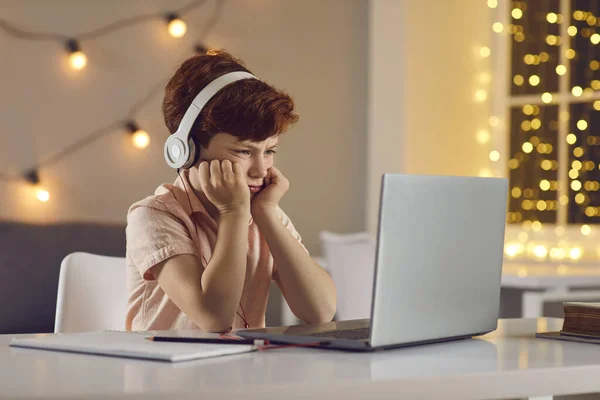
162	226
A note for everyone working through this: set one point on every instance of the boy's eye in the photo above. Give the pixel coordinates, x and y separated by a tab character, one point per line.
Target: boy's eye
246	152
271	152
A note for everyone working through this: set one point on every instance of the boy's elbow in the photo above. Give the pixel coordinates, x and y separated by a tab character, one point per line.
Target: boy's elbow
215	325
214	319
323	314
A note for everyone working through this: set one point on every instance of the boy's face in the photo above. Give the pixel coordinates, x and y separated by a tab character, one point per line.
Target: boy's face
255	157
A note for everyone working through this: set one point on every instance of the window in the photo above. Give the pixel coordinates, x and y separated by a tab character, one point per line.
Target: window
552	110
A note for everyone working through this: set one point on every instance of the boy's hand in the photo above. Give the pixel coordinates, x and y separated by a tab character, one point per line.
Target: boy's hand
276	185
224	185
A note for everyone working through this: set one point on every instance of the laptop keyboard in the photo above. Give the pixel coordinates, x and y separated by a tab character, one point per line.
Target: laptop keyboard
349	334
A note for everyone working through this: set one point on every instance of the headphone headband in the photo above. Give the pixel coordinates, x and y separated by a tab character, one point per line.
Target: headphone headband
179	146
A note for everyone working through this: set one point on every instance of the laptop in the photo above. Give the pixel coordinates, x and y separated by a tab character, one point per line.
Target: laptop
438	266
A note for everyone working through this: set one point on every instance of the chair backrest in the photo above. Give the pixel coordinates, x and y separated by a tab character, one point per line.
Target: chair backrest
351	264
92	293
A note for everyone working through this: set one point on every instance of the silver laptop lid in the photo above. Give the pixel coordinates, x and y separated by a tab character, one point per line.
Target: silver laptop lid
439	257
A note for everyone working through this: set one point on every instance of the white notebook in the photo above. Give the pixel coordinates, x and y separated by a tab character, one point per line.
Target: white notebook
131	345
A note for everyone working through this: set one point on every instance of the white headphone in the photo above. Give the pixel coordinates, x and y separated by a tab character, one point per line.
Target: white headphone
180	148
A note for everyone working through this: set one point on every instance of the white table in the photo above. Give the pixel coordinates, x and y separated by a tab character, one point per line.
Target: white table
508	363
545	282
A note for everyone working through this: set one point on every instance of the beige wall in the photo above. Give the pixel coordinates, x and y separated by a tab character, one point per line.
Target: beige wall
314	49
424	69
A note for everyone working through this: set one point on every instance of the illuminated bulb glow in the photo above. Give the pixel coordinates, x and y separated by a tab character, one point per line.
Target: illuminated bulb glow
42	195
575	253
140	139
177	28
547	98
78	60
483	137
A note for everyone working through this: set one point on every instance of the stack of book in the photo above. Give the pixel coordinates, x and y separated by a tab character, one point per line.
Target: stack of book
581	323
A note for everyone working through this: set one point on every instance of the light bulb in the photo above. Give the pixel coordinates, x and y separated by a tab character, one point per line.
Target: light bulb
547	97
516	13
480	95
485	172
484	51
586	230
575	253
177	27
483	136
77	58
140	139
540	251
42	195
494	156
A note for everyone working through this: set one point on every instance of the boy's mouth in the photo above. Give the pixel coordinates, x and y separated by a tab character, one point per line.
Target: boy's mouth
255	189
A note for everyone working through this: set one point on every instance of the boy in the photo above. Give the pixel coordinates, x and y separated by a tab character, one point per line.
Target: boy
201	253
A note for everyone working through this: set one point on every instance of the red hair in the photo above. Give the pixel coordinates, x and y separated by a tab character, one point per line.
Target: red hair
248	109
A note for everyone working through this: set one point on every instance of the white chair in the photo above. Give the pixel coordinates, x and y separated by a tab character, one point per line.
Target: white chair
92	294
351	264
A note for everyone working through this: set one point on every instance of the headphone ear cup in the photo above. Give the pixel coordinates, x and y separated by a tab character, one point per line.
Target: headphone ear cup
195	150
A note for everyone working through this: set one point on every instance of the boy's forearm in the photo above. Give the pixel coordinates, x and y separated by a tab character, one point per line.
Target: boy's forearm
309	290
223	279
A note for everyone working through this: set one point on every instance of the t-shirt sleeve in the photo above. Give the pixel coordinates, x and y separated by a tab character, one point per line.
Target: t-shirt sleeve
154	235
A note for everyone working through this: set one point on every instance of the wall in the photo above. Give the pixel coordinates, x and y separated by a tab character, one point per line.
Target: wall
424	71
314	49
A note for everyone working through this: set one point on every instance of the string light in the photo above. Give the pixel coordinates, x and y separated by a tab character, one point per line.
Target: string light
483	136
77	58
497	27
577	91
480	95
595	38
176	26
552	18
547	98
140	138
516	13
527	147
485	173
534	80
494	156
484	52
561	70
572	30
33	178
518	80
492	3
